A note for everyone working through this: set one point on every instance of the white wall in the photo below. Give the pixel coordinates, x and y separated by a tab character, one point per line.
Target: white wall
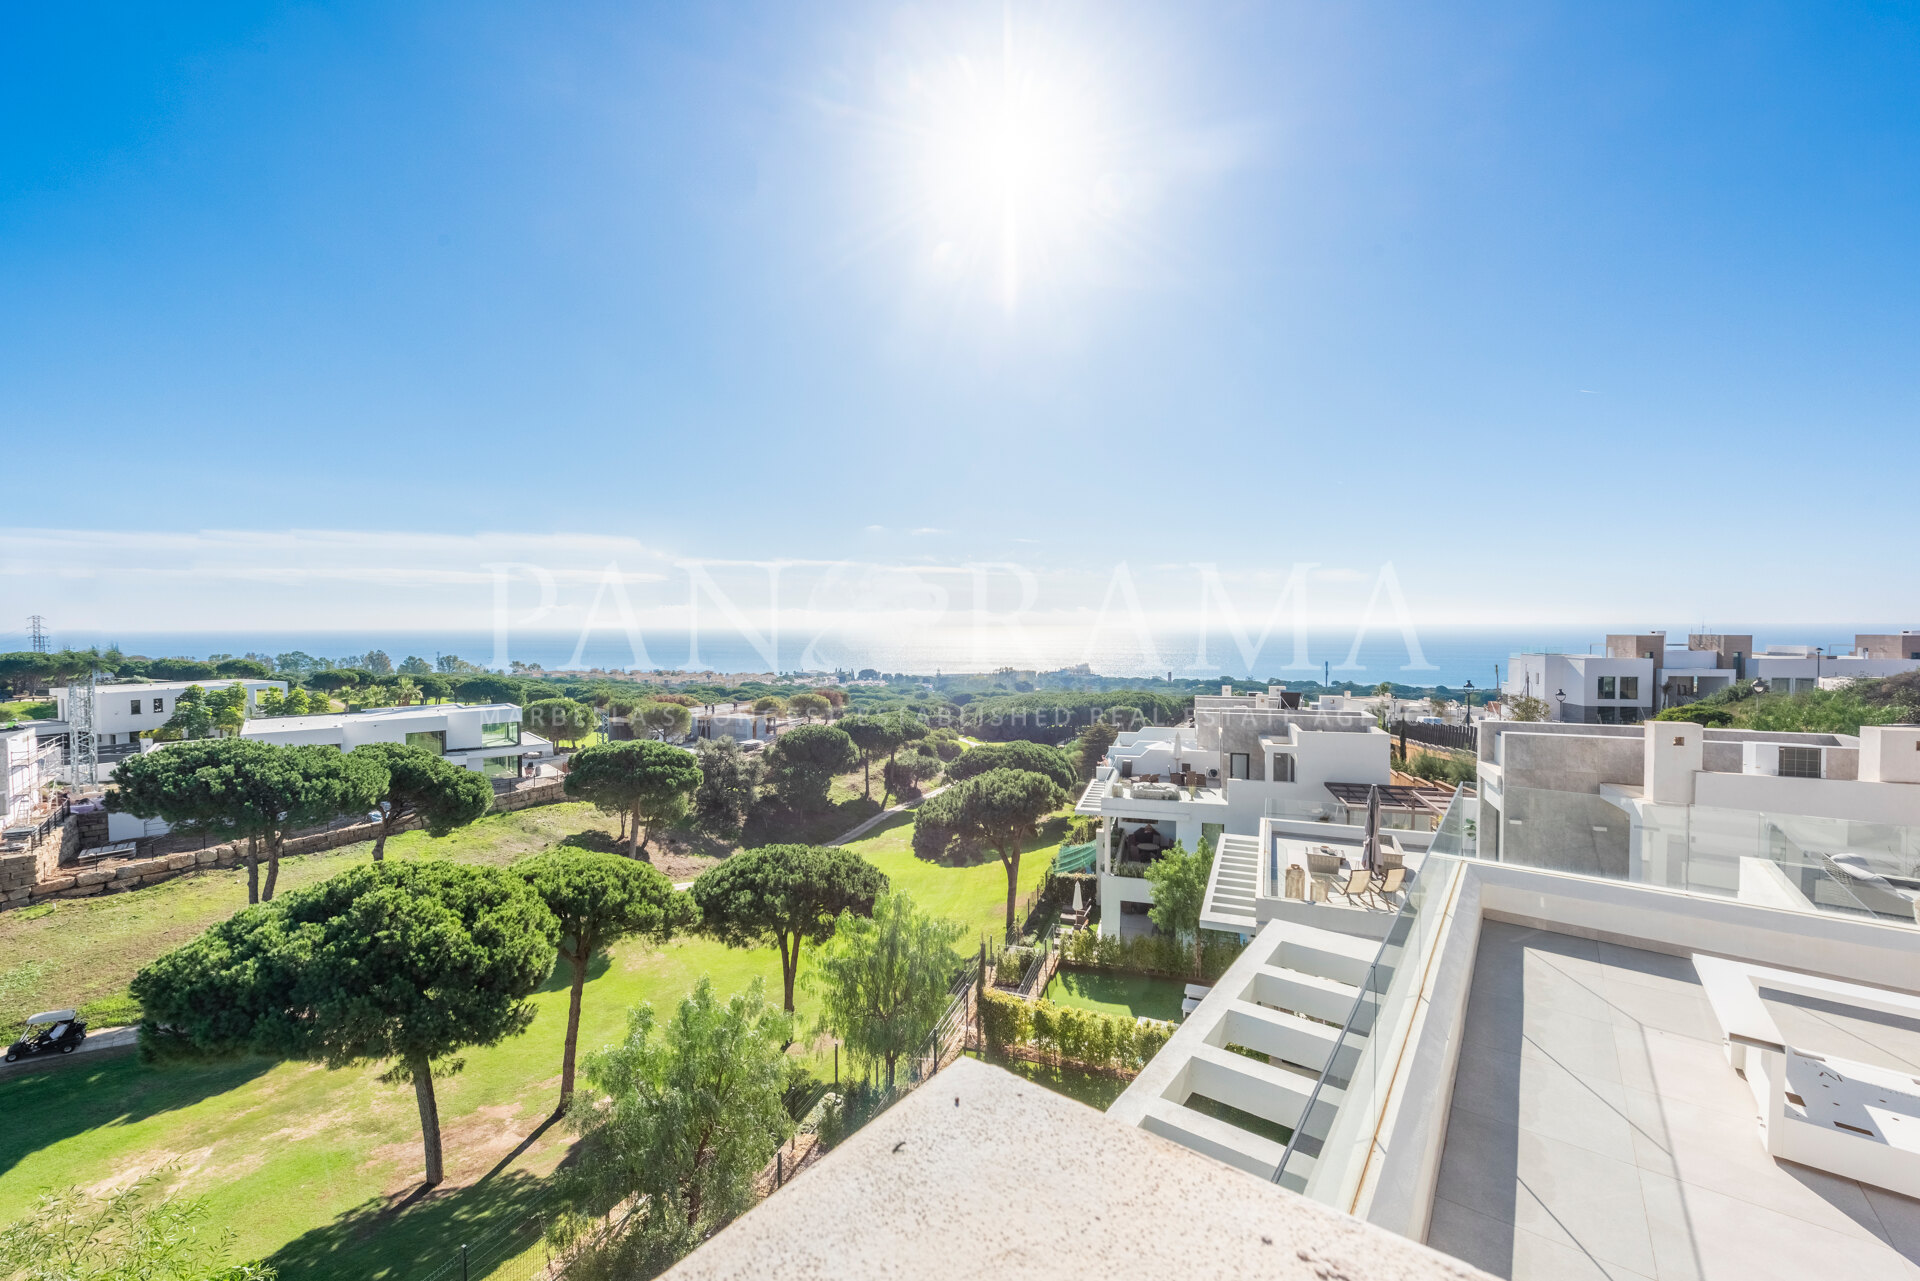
461	724
19	775
113	704
1861	802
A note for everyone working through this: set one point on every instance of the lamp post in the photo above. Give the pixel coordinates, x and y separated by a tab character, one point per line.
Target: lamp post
1467	690
1561	714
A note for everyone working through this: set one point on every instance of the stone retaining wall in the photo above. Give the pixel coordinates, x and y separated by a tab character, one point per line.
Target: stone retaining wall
31	877
21	871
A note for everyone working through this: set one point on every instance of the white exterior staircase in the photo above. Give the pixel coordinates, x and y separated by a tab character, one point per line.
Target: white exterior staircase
1287	998
1232	887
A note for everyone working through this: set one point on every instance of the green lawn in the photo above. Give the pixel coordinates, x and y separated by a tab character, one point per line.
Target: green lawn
83	952
1130	995
317	1168
29	709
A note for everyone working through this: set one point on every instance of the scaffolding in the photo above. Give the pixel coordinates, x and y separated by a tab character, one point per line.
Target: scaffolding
83	752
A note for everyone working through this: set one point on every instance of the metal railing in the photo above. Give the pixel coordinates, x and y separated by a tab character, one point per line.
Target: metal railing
948	1037
1459	738
1325	1155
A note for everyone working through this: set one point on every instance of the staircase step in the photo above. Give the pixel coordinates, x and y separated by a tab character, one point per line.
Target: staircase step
1327	953
1212	1137
1229	922
1262	1089
1287	1036
1308	994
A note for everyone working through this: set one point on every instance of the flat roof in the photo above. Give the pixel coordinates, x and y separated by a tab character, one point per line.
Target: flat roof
980	1172
334	720
1597	1129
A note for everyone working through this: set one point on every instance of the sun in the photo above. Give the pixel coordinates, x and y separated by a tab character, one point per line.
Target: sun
1012	162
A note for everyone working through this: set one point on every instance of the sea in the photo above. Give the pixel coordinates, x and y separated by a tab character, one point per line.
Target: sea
1434	656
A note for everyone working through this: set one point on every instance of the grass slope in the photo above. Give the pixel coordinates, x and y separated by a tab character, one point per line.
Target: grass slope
318	1169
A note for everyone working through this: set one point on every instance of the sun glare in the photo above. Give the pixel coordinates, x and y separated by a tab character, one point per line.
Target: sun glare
1013	163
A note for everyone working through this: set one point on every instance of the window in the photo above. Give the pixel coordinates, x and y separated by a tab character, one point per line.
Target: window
434	740
136	707
1607	715
158	706
500	734
1800	762
1606	687
1283	767
1630	687
500	766
1237	765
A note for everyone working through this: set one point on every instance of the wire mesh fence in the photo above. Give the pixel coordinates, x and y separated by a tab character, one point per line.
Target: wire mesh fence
512	1250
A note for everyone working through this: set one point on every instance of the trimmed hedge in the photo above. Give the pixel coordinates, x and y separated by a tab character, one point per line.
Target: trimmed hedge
1084	1036
1150	954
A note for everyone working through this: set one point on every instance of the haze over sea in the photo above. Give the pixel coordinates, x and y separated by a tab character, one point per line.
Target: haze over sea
1436	656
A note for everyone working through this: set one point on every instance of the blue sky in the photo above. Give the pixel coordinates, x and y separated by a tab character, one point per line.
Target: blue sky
1566	312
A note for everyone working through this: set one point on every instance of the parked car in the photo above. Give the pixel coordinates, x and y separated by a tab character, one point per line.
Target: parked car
55	1031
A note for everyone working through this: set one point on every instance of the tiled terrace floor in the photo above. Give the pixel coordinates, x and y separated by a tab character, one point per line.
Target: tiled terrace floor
1597	1131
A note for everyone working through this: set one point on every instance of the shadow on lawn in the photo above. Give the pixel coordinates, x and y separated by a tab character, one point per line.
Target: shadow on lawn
957	853
112	1088
774	824
410	1235
562	977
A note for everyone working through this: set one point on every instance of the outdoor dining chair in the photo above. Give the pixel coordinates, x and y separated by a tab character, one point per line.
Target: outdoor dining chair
1358	887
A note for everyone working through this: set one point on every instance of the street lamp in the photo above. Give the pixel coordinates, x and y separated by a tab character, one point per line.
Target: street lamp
1561	694
1467	690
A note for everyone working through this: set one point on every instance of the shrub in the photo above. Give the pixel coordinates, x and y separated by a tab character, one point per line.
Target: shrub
1150	954
1067	1032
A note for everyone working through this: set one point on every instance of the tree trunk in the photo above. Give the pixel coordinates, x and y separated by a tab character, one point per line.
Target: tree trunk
429	1115
253	869
274	842
866	788
634	843
1013	884
579	964
789	965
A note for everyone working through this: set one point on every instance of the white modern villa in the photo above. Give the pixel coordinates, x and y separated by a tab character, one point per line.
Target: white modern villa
1647	1005
484	737
121	712
1247	765
1639	673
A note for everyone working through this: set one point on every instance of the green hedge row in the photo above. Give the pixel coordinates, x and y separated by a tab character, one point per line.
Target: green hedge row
1085	1036
1150	954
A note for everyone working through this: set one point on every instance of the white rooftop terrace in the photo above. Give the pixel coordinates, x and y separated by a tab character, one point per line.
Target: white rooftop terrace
1598	1130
